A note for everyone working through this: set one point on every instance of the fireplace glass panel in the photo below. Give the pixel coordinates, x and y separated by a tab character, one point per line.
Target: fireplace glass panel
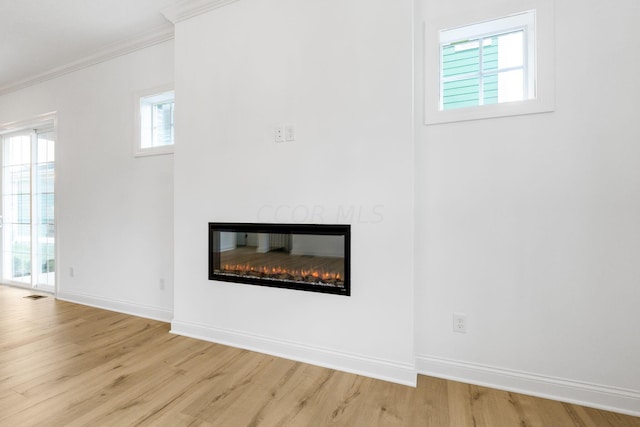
304	257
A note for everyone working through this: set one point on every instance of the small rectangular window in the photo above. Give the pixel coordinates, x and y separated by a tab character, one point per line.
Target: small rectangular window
488	63
155	120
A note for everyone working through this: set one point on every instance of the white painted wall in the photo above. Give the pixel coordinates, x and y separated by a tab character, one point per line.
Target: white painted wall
114	212
530	225
340	71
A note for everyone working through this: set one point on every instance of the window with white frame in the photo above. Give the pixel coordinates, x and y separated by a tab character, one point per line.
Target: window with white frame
490	68
488	63
155	120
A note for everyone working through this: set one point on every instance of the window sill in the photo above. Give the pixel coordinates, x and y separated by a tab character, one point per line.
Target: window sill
507	109
156	151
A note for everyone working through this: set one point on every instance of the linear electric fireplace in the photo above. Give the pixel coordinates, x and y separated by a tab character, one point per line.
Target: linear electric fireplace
304	257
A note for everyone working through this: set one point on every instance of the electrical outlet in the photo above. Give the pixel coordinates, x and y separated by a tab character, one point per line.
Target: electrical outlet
72	272
161	284
460	322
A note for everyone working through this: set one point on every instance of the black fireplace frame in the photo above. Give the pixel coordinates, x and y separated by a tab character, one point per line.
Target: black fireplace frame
310	229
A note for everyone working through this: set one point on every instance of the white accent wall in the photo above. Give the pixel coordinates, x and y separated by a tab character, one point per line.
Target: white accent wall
114	213
340	72
531	225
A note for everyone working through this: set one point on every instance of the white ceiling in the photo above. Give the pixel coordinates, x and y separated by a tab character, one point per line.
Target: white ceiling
38	36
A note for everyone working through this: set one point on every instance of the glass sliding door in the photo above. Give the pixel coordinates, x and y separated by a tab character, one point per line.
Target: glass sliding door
28	232
16	204
43	236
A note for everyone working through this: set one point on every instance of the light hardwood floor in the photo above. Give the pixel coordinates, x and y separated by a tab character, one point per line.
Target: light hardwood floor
64	364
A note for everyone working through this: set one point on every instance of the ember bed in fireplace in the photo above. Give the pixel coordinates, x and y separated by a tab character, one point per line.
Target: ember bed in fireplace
295	256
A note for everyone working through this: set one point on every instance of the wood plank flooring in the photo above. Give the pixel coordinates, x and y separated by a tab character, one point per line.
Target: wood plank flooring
64	364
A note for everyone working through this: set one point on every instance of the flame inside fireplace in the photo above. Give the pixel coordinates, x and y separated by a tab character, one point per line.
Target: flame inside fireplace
314	276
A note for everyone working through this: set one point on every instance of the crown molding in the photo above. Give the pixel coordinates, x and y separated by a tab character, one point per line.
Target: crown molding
115	50
189	8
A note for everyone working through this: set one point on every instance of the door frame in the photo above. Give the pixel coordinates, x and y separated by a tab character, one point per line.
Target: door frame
47	120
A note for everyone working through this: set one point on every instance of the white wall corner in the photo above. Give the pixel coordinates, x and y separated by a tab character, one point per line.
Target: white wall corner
607	398
189	8
386	370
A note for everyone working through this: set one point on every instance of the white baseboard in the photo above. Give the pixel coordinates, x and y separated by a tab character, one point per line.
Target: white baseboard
370	367
147	312
592	395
